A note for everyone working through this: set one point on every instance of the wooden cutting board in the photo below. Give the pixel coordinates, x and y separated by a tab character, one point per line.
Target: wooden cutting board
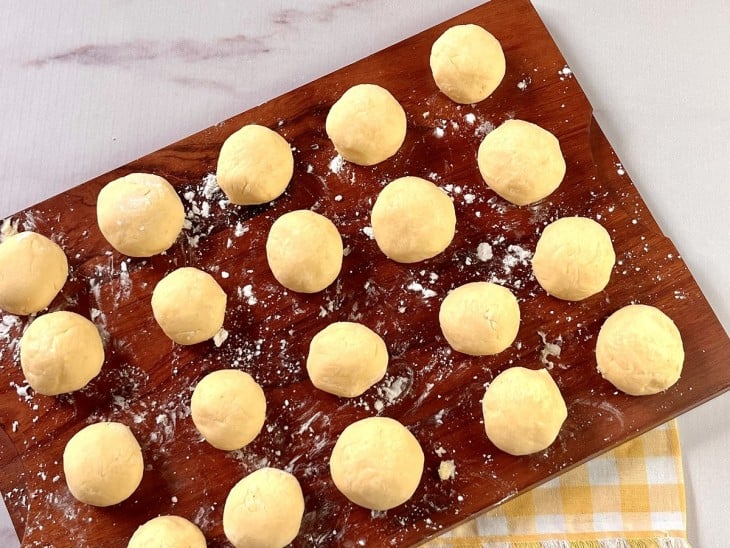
146	381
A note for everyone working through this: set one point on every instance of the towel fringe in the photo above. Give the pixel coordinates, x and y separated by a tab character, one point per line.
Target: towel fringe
665	542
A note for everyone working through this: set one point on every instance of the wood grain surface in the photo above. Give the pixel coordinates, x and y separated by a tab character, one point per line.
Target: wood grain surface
146	381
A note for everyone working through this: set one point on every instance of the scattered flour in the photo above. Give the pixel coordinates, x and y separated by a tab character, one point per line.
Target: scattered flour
336	164
565	72
246	292
447	470
220	337
484	252
417	287
549	349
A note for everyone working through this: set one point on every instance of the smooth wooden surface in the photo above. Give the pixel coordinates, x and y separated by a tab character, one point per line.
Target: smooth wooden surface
146	381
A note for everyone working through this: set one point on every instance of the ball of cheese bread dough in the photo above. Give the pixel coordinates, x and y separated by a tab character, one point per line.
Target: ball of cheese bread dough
103	464
304	251
189	305
521	162
573	258
467	63
639	350
255	165
140	214
413	220
366	125
523	410
480	318
346	358
228	408
264	510
33	270
167	532
377	463
61	352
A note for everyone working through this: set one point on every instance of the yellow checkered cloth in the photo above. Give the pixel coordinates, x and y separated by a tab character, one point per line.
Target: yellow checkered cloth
630	497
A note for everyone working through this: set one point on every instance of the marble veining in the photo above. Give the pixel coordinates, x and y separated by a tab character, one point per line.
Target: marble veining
188	50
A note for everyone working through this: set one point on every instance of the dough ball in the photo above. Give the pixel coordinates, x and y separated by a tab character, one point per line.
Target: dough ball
255	165
61	352
264	510
140	215
366	125
521	162
167	532
573	258
377	463
639	350
346	358
523	411
189	305
228	408
467	63
33	270
304	251
103	464
413	220
480	318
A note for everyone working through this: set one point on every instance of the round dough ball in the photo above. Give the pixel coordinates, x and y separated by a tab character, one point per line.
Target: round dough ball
413	220
523	410
346	358
639	350
377	463
467	63
61	352
167	532
480	318
228	408
140	215
304	251
521	162
264	510
103	464
33	270
255	165
189	305
573	258
366	125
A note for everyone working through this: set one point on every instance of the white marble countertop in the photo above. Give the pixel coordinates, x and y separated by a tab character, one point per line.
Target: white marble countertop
88	86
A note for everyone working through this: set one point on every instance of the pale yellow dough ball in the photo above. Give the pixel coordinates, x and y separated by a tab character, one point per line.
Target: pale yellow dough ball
366	125
480	318
523	410
140	214
467	63
167	532
103	464
264	510
346	358
61	352
189	305
573	258
228	408
521	162
639	350
33	270
255	165
413	220
304	251
377	463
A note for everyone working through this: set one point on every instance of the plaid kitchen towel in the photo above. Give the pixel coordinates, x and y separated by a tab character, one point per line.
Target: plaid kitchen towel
631	497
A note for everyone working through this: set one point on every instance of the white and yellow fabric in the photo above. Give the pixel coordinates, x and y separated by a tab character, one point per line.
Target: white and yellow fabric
631	497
